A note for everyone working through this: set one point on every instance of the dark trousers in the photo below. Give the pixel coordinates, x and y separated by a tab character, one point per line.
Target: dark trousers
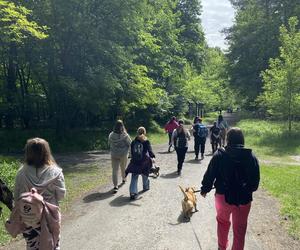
181	152
199	145
170	137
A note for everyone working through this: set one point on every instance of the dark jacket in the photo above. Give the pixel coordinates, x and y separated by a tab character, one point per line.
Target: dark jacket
222	165
143	166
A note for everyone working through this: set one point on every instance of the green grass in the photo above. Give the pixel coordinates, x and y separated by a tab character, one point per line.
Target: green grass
283	183
280	174
271	139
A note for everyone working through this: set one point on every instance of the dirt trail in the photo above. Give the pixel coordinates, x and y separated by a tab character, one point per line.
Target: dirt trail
103	220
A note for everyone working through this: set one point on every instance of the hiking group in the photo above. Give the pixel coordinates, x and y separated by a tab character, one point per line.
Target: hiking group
233	171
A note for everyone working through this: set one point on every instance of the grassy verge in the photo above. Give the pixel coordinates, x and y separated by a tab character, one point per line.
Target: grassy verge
80	178
283	183
277	150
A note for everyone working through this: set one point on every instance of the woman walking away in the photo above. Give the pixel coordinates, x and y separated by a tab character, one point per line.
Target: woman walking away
119	142
215	138
180	139
142	157
169	128
223	126
41	177
234	171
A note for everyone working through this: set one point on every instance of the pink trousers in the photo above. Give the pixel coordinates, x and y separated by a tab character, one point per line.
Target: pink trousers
239	223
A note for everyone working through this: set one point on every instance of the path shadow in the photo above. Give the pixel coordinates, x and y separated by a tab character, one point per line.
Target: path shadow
122	200
193	161
98	196
170	175
181	219
165	152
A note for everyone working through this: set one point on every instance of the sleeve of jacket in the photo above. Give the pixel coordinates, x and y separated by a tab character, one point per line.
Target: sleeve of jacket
128	140
255	178
152	155
60	188
210	175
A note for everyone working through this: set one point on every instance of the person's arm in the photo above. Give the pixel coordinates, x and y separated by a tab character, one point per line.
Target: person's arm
188	135
151	154
128	140
174	135
209	176
60	188
255	178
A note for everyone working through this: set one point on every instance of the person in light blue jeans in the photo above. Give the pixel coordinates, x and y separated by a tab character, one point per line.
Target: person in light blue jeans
134	182
141	162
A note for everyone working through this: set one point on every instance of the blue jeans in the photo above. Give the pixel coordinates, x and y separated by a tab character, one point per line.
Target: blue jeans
134	182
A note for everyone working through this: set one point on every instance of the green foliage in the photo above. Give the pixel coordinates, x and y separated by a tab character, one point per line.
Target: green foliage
253	40
211	87
281	181
8	170
101	60
281	94
15	25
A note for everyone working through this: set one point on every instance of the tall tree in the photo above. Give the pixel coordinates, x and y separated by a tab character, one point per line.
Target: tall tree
281	96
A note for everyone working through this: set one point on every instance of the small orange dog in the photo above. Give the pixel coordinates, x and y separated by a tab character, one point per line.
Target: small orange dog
189	201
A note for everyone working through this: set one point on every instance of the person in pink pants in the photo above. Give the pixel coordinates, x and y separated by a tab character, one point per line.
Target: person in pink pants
234	171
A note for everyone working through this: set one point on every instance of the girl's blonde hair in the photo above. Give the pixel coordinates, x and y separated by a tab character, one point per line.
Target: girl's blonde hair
38	153
141	131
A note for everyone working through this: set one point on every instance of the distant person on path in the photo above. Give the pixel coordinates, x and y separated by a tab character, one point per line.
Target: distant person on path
234	171
169	128
180	139
215	137
200	133
142	158
41	172
119	142
223	126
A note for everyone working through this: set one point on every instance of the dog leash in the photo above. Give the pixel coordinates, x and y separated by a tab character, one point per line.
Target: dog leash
198	191
197	239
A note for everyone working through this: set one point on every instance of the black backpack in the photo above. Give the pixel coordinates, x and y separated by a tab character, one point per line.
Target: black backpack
237	184
181	140
137	150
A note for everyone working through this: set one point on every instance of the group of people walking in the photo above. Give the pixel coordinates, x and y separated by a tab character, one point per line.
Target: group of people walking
140	151
179	137
233	171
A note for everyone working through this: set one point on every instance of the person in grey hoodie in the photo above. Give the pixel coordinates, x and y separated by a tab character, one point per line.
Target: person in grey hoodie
119	142
41	172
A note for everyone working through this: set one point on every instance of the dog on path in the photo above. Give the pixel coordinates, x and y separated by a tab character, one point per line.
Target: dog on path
189	202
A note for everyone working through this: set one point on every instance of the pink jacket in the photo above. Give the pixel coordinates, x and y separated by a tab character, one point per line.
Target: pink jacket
170	126
50	225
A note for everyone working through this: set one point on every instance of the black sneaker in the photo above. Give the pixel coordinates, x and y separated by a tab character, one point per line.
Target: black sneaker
133	196
116	189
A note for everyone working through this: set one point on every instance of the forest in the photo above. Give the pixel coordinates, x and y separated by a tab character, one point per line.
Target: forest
78	63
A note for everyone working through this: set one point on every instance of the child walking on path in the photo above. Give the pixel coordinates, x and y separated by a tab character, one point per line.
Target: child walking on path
119	142
234	171
141	162
180	139
40	172
169	128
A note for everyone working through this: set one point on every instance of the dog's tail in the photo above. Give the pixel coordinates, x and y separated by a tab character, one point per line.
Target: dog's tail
183	191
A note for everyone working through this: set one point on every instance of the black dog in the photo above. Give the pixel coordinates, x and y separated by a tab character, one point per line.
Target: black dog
154	170
6	196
